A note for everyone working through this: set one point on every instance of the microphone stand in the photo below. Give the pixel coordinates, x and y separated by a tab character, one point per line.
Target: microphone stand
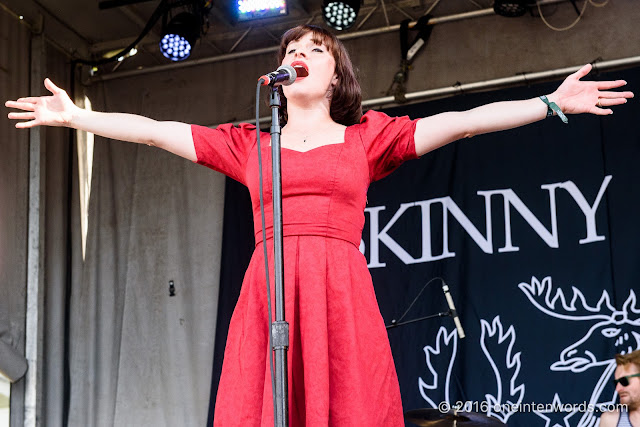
452	310
279	328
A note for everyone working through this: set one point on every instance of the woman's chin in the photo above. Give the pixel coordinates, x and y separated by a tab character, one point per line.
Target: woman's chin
299	94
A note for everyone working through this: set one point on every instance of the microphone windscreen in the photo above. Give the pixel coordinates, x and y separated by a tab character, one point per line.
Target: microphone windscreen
293	75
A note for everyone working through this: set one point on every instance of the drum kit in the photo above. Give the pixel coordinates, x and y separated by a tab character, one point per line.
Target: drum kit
452	418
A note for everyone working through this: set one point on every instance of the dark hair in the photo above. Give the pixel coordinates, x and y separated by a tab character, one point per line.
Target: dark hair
346	98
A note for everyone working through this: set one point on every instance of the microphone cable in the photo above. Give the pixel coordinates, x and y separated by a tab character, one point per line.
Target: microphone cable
394	321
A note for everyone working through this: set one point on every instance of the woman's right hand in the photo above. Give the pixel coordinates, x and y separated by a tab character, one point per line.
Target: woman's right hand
54	110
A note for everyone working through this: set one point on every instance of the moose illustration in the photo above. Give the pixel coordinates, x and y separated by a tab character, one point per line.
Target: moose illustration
610	325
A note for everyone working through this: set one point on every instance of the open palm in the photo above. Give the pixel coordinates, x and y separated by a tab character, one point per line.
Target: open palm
54	110
575	96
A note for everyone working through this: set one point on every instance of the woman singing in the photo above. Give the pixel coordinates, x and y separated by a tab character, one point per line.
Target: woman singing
341	371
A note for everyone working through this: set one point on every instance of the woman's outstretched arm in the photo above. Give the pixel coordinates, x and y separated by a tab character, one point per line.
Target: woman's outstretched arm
573	96
58	110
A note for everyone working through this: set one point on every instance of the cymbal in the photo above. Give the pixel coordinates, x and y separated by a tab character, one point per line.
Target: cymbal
435	418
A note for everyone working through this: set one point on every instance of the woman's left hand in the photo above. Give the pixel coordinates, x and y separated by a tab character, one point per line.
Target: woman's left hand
574	96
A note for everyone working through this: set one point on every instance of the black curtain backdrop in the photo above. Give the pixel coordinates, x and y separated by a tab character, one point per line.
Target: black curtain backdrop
534	230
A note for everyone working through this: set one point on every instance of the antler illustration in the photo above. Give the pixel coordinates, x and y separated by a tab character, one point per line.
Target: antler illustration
510	367
444	339
540	294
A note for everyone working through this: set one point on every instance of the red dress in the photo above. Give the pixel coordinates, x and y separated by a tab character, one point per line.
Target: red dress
341	372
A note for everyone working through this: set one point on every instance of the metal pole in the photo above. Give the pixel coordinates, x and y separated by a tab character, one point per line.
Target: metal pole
279	328
34	341
520	79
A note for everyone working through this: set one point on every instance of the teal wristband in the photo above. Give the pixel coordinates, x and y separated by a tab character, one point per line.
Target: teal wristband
552	107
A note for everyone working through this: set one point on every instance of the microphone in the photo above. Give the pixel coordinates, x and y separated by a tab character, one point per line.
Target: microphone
284	75
452	308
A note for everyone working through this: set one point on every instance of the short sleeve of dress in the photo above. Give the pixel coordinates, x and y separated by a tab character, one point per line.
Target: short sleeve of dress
224	149
388	142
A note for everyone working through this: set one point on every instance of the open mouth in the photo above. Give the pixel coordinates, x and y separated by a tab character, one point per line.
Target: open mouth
301	68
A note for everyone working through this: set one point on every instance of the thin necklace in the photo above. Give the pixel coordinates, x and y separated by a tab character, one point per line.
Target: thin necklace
305	137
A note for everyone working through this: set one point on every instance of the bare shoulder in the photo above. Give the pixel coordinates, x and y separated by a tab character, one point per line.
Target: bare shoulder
609	419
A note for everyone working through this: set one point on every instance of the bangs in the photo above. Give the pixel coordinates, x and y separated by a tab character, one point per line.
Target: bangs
320	37
346	95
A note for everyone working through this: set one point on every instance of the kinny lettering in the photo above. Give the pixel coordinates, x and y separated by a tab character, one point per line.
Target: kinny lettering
447	208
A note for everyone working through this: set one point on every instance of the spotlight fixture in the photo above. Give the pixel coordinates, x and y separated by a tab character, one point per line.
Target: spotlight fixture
340	14
183	22
510	8
180	35
248	10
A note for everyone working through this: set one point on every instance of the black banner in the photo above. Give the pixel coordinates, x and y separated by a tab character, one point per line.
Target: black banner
535	230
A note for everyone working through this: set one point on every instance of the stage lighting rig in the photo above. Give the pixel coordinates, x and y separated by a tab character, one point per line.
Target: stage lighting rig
183	22
179	36
248	10
340	14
